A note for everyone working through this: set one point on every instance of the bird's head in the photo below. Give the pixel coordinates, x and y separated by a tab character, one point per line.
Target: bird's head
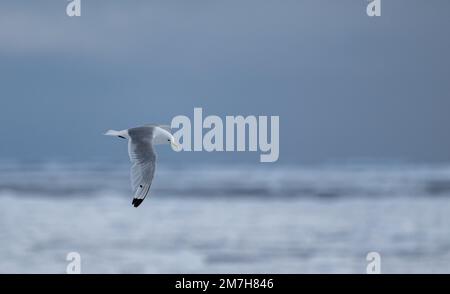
164	137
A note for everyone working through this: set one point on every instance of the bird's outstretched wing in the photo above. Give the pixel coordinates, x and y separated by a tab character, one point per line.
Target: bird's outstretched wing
143	159
164	127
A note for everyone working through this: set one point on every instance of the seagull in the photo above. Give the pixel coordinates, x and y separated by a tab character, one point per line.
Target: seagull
142	155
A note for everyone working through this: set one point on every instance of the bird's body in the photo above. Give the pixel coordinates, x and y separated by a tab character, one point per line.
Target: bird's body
141	141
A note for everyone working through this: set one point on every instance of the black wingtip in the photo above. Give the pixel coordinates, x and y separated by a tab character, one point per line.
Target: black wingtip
136	202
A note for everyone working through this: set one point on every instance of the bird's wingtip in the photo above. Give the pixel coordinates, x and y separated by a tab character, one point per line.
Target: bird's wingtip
136	202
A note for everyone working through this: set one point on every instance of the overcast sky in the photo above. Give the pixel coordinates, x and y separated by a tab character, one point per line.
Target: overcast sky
345	85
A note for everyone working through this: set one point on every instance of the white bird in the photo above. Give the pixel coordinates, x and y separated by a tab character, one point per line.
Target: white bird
142	155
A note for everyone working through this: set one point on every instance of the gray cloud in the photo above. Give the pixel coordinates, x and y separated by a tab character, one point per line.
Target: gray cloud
345	85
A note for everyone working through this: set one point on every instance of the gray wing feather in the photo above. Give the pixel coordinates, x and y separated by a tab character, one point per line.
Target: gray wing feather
143	158
164	127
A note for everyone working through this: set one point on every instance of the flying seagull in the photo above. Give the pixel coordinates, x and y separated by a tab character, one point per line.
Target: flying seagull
142	155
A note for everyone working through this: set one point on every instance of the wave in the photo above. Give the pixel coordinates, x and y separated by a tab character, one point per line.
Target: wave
90	180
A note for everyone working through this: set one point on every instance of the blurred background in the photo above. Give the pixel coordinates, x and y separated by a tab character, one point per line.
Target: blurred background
364	146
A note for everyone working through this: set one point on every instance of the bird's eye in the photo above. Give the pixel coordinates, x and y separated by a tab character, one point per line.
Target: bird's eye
168	140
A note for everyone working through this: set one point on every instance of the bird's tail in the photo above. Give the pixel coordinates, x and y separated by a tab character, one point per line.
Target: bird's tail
112	133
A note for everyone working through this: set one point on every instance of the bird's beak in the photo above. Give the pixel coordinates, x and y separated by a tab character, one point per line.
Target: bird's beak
175	145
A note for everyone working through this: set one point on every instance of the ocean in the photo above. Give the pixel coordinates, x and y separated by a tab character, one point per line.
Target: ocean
225	218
